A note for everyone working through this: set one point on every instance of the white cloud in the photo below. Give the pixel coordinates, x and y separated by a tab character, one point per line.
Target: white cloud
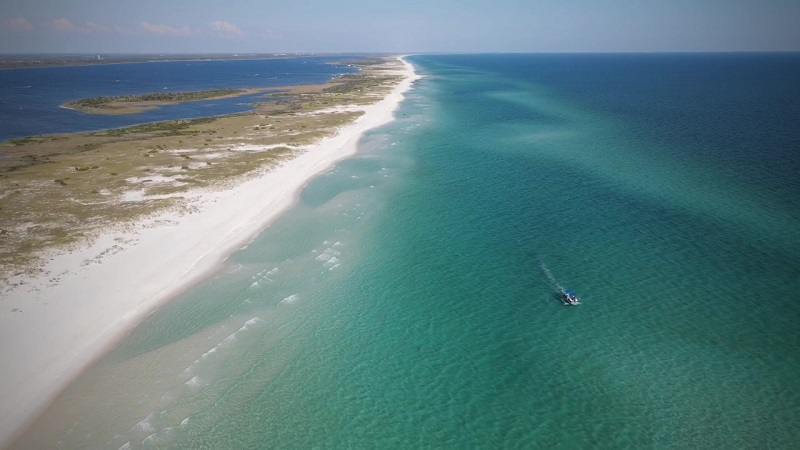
97	27
166	30
226	29
64	25
19	24
123	30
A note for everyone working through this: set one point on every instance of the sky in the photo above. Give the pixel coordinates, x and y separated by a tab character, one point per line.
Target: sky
397	26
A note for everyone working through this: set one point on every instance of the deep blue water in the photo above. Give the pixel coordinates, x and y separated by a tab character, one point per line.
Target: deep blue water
410	299
30	99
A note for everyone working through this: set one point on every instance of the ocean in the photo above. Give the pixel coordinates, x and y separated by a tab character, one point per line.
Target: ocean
411	298
31	99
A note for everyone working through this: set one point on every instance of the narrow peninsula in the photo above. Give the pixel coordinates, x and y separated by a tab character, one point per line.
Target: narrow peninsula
133	104
98	229
64	189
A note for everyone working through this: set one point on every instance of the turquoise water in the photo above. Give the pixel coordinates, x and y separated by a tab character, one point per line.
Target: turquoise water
405	302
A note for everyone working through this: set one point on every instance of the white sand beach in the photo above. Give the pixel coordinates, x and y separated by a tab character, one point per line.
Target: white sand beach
57	323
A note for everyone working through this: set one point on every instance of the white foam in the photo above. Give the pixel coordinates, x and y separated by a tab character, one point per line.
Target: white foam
208	353
168	397
229	340
332	263
145	424
263	276
328	254
258	275
195	382
290	299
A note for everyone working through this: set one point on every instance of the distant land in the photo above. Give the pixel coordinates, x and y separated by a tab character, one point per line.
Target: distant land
24	61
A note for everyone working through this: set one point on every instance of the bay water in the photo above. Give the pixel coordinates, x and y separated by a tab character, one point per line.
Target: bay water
31	99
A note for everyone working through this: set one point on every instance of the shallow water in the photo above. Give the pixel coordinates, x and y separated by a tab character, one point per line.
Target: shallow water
405	301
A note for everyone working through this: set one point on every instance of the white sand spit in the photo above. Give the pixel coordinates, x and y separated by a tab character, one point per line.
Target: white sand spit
56	323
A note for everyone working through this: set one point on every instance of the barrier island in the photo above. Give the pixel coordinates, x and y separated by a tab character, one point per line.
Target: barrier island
133	104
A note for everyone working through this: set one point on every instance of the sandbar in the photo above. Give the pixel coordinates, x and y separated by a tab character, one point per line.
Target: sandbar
135	104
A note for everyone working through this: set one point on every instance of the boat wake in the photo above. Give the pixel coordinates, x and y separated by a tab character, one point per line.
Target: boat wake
551	279
566	296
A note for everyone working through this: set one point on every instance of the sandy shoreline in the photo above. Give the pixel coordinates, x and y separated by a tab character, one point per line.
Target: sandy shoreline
59	322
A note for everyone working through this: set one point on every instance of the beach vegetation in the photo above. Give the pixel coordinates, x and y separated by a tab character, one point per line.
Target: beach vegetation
26	140
81	182
88	146
132	104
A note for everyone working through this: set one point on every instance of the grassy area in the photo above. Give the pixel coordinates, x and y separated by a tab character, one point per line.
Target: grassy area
170	128
58	191
106	102
134	104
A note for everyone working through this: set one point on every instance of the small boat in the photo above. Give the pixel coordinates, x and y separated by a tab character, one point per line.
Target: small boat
570	298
